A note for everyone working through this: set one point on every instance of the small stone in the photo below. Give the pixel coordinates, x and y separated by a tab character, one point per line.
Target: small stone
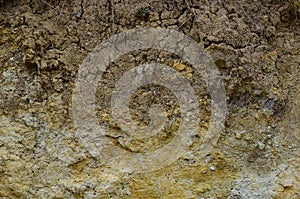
207	158
212	168
189	75
178	65
238	135
189	70
261	145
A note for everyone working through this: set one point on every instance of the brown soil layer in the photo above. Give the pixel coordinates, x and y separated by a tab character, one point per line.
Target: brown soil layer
254	44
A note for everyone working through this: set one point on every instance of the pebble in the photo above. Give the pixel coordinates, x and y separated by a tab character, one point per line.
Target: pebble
178	65
212	168
261	145
238	135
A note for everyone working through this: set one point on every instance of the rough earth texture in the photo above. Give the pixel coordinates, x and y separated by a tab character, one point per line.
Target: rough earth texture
256	46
